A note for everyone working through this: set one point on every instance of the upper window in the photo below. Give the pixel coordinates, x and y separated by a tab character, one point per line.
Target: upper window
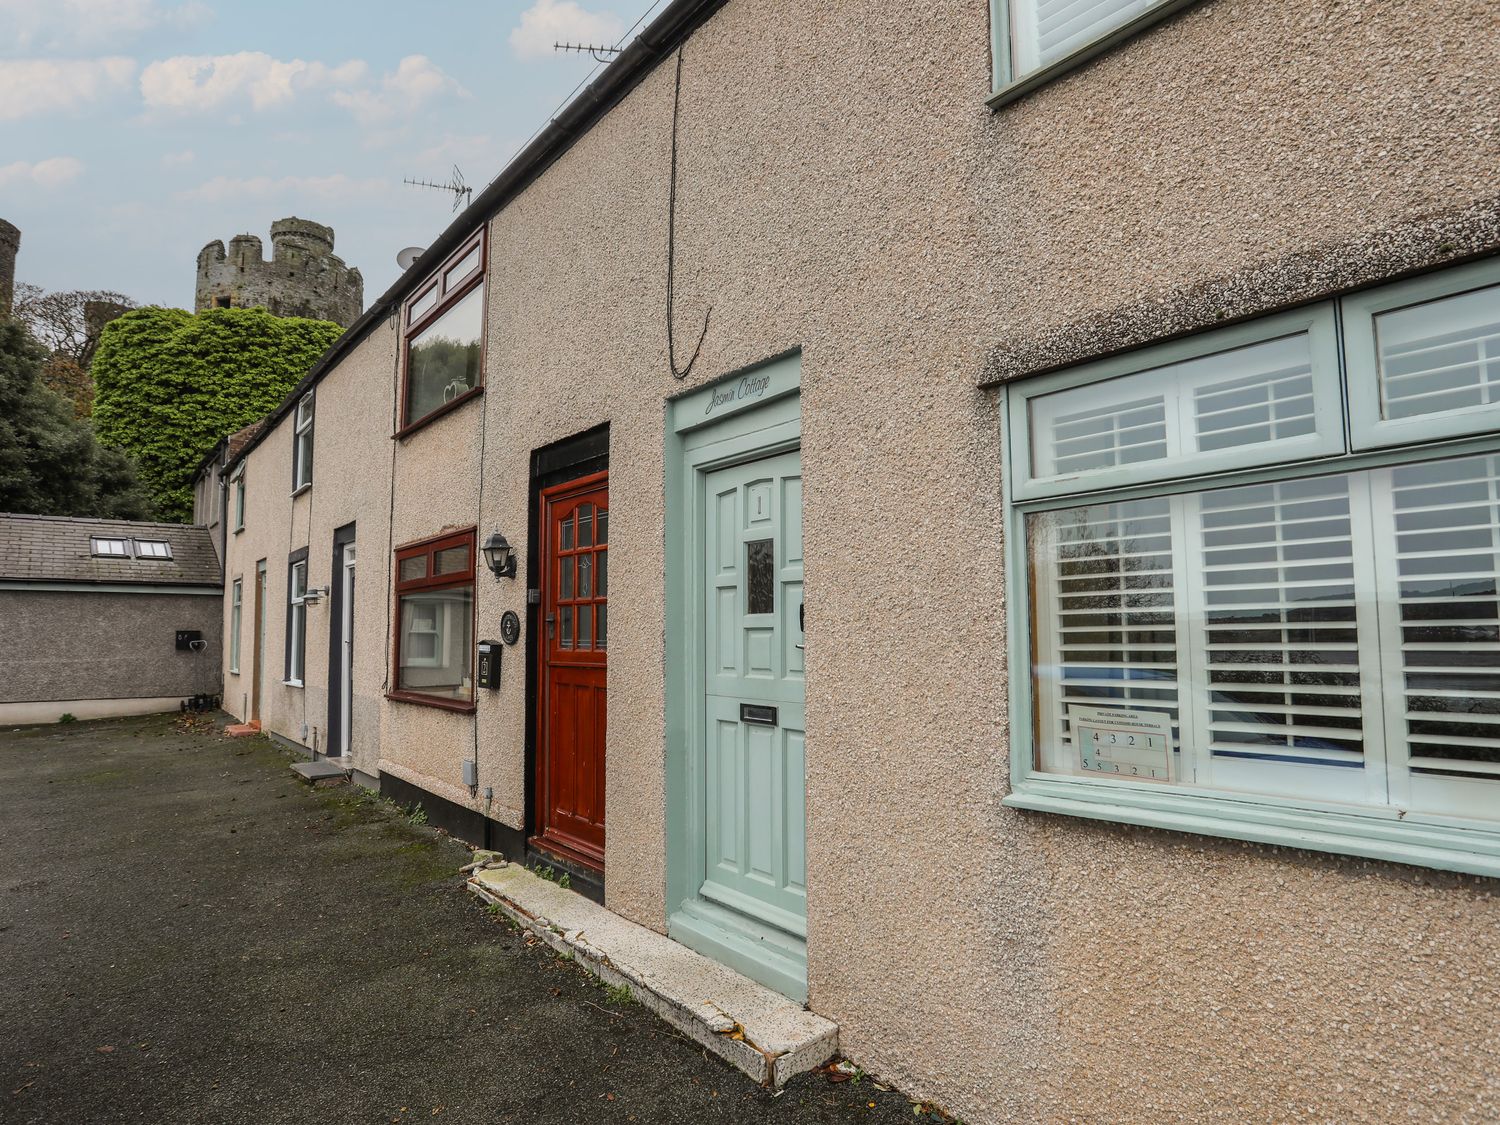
153	549
302	443
1434	346
1257	394
1314	630
435	621
444	336
1036	38
296	621
104	548
239	498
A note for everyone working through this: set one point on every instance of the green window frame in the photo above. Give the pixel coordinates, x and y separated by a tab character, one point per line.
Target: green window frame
1407	802
1013	78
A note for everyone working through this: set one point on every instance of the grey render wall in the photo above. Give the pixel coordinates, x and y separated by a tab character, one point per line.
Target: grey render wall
65	645
845	191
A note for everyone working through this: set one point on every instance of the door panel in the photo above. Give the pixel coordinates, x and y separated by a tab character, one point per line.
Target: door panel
346	667
572	701
755	761
259	662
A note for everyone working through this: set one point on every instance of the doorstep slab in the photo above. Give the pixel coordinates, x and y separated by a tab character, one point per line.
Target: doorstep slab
320	771
761	1032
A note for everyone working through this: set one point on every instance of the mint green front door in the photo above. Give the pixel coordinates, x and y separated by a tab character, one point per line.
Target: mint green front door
754	799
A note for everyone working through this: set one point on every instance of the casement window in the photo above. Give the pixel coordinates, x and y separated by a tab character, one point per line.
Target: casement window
435	621
296	618
236	610
1033	40
1242	605
444	337
153	549
302	443
102	547
239	498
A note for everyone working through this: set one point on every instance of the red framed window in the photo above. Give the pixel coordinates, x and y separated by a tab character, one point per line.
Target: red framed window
443	337
434	591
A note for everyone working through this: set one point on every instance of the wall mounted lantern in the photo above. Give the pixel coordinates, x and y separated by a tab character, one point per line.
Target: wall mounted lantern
499	557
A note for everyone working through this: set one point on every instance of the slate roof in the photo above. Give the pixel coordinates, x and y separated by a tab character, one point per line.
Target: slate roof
57	549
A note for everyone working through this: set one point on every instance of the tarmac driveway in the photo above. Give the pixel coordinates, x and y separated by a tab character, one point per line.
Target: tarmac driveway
189	934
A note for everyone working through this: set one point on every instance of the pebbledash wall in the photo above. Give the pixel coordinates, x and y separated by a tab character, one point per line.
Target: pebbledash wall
846	193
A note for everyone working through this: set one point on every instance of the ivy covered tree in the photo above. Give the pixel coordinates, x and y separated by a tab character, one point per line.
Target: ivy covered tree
169	384
50	462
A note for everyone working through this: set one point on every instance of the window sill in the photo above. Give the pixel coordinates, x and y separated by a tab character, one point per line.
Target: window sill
298	491
1373	834
447	408
234	671
460	705
1014	89
239	529
291	683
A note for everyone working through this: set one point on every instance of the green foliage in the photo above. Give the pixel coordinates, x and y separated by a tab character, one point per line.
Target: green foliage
50	462
169	385
67	717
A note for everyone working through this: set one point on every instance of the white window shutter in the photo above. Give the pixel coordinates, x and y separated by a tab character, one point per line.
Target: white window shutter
1047	30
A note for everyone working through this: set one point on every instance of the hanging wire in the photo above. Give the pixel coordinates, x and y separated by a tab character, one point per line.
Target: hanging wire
672	247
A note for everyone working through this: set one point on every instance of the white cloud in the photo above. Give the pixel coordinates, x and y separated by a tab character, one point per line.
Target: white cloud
31	87
415	81
50	173
179	159
561	21
198	83
71	26
337	187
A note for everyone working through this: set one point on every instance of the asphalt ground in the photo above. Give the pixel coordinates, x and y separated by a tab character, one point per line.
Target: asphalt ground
190	934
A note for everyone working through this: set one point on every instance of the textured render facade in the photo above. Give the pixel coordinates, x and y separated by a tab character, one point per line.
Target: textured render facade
302	278
866	210
95	637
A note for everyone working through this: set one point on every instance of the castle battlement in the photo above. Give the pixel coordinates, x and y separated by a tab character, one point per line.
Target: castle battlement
10	246
302	278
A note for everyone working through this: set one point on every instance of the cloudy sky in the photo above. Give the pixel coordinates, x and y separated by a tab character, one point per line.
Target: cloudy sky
134	131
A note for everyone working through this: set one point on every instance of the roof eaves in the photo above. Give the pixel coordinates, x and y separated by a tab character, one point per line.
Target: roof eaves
678	20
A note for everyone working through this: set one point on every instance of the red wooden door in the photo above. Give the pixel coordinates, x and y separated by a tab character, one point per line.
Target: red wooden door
575	636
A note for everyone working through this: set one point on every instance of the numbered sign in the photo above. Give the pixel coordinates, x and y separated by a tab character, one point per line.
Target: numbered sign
1120	743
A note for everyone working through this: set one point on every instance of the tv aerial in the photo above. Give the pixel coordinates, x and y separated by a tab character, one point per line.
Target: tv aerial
462	192
601	54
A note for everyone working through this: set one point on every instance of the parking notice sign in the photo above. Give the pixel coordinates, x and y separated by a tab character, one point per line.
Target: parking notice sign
1121	743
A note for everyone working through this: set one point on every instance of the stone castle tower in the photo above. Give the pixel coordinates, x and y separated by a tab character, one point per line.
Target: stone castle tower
303	277
10	243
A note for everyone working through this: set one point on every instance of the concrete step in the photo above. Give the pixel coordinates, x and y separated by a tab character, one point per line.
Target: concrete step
761	1032
321	772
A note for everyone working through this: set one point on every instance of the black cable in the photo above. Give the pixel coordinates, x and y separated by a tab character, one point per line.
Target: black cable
484	413
672	244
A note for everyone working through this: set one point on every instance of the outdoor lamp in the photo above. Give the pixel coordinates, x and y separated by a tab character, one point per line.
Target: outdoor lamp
499	557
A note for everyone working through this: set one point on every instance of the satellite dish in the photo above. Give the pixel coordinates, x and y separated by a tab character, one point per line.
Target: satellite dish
408	257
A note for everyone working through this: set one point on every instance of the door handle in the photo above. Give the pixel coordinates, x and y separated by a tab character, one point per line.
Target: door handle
551	620
802	620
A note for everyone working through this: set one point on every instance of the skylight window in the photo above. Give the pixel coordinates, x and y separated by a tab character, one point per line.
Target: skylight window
109	548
